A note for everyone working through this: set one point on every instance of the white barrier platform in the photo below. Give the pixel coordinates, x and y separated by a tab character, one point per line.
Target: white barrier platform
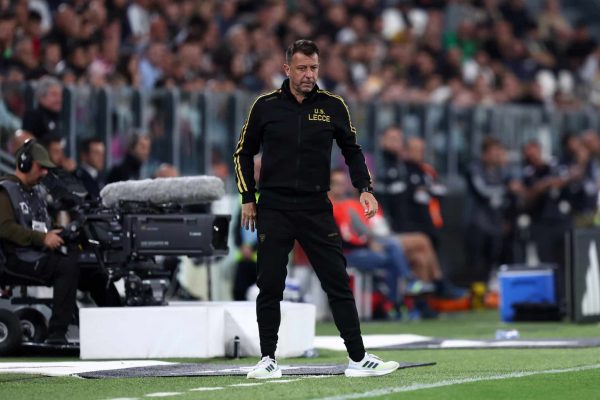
189	329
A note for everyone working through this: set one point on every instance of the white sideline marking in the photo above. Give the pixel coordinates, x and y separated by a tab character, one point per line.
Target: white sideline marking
125	398
421	386
370	341
64	368
163	394
206	389
246	384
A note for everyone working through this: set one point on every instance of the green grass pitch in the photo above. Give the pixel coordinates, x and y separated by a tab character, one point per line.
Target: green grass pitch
459	374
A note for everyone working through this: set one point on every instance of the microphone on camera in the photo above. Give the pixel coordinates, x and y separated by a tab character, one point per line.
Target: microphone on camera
181	190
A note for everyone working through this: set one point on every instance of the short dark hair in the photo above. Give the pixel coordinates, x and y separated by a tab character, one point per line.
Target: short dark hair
50	139
134	138
488	143
86	144
304	46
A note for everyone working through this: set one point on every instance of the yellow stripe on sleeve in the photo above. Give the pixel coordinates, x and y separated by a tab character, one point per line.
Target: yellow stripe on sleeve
335	96
241	183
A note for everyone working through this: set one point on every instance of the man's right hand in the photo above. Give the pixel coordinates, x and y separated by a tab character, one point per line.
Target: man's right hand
52	240
249	216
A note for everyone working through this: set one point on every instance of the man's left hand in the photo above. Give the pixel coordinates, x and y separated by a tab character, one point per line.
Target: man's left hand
369	204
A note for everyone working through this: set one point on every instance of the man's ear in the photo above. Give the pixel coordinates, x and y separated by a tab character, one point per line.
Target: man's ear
286	69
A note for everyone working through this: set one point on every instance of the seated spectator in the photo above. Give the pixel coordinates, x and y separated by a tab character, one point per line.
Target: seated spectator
138	151
166	170
91	168
45	120
55	146
18	139
364	249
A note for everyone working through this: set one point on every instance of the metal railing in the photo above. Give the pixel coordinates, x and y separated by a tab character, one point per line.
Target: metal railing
194	130
7	163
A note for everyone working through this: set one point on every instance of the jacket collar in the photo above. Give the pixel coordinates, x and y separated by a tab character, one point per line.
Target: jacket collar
285	88
14	178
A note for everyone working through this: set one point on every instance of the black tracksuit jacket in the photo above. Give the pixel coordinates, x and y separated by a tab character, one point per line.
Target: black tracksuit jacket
296	141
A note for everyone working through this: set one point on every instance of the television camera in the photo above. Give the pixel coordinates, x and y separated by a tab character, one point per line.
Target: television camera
139	221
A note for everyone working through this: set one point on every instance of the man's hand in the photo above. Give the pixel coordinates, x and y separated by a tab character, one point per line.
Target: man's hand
369	204
52	240
249	216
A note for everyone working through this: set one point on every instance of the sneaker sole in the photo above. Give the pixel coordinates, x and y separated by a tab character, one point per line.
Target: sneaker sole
357	373
272	375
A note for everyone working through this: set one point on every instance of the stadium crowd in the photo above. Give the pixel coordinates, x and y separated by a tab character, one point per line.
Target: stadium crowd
466	52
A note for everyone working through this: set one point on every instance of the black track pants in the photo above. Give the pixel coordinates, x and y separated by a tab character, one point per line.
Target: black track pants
318	235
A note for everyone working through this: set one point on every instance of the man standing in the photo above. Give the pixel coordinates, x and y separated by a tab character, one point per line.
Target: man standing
295	126
486	202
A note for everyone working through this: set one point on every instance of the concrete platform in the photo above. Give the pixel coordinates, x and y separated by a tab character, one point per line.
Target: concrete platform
190	329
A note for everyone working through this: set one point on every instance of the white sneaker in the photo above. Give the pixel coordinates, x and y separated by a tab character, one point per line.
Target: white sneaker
370	365
266	368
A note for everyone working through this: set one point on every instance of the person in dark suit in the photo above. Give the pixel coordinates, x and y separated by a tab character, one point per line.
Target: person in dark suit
91	168
44	120
138	151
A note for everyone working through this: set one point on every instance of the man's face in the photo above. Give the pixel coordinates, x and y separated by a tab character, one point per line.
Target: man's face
415	150
338	185
532	153
303	72
392	141
53	99
95	157
141	151
56	153
35	175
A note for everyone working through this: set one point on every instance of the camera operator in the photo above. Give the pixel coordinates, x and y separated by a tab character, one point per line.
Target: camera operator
32	247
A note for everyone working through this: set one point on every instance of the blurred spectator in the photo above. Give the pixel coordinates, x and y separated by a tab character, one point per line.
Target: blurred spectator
516	12
390	186
487	196
581	170
44	120
549	208
55	145
7	37
581	46
552	20
166	170
365	250
152	65
18	139
417	51
428	191
91	167
138	151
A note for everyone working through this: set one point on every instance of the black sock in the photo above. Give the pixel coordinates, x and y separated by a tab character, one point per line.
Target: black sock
271	356
356	357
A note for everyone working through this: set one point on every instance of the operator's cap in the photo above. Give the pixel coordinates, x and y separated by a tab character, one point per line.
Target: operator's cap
38	153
